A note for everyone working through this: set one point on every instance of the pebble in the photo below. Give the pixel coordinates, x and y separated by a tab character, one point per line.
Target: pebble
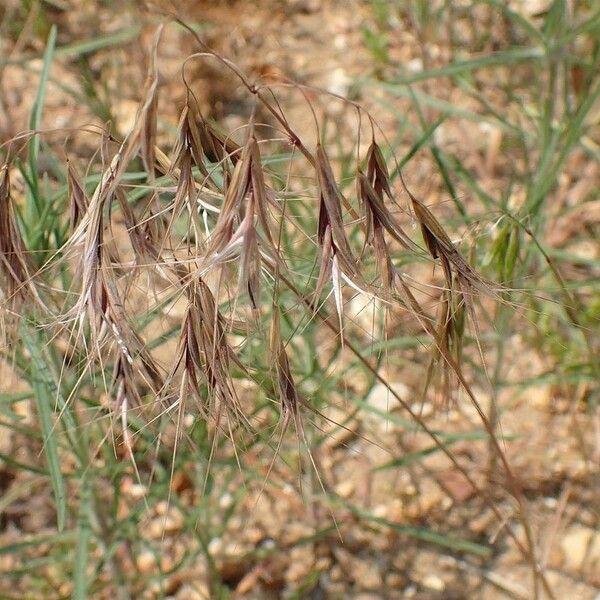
339	82
225	501
382	400
336	573
338	436
395	581
215	546
434	582
581	548
345	489
301	564
193	592
146	561
366	575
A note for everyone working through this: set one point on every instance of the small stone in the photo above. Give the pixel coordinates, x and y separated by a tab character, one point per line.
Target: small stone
225	501
146	561
482	522
336	573
167	522
253	535
136	491
197	591
337	436
395	581
215	546
380	511
345	489
366	575
339	82
395	511
161	507
382	400
434	582
410	591
304	6
581	547
301	564
296	531
460	488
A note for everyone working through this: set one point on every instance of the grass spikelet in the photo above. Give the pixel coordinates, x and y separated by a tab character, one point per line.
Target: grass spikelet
204	355
243	228
143	237
375	216
16	282
188	145
125	394
330	214
441	246
128	340
337	260
215	352
79	201
374	196
285	386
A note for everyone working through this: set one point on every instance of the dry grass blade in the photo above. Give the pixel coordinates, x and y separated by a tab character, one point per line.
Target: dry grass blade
147	111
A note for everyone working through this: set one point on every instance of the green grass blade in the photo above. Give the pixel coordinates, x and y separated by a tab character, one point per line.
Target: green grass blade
44	398
450	439
35	121
423	139
508	57
516	18
85	47
448	108
80	575
41	540
424	534
412	457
